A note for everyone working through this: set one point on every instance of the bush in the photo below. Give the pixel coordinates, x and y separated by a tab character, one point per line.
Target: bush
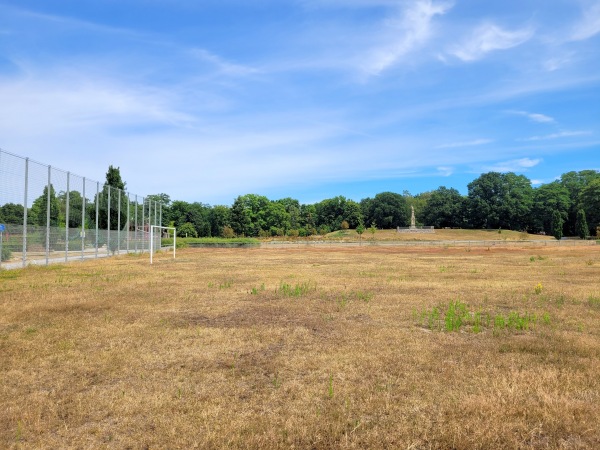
228	232
345	225
324	229
6	253
294	233
276	231
187	230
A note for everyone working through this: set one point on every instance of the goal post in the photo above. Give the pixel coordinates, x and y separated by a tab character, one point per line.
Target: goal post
158	227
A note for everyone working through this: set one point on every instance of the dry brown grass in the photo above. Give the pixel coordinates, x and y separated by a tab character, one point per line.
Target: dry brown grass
197	353
439	235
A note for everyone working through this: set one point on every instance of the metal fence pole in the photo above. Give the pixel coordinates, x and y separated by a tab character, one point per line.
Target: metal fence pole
128	220
119	225
149	222
24	254
48	216
155	214
143	225
83	220
67	219
97	213
135	235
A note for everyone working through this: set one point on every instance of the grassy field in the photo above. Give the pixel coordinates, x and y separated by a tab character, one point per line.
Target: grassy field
363	347
439	235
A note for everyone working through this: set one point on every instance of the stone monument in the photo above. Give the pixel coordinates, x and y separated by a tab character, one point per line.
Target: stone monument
413	225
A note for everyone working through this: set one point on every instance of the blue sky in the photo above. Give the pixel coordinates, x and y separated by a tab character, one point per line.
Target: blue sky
207	100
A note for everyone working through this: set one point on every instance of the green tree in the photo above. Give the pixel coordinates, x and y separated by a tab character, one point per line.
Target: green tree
360	229
187	230
276	219
444	208
575	183
164	200
12	213
220	217
557	225
332	212
590	203
500	200
39	209
386	210
373	230
583	231
547	199
292	208
114	184
75	207
248	214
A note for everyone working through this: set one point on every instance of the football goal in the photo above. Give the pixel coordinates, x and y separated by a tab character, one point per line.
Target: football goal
152	239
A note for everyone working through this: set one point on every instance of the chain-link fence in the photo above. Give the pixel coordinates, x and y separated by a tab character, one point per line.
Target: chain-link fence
49	215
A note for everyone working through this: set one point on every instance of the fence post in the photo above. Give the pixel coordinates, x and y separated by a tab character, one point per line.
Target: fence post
128	220
97	213
119	224
48	216
83	220
24	254
149	222
135	235
67	220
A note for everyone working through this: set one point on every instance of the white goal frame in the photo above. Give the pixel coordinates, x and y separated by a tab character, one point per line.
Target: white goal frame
152	227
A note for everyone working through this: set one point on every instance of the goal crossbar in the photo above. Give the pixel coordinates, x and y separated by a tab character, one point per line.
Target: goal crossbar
152	227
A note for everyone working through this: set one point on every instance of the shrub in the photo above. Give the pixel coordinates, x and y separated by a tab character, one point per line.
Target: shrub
324	229
345	225
276	231
187	230
6	253
293	233
228	232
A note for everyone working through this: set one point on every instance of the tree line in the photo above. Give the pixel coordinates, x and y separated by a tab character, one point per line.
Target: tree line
569	206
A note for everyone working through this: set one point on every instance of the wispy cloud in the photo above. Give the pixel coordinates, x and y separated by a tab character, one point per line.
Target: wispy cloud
407	33
466	143
589	25
515	165
489	37
445	171
224	67
535	117
562	134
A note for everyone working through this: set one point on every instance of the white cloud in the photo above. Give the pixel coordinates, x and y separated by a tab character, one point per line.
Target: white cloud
557	62
466	144
487	38
589	25
515	165
535	117
562	134
224	67
445	171
406	34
